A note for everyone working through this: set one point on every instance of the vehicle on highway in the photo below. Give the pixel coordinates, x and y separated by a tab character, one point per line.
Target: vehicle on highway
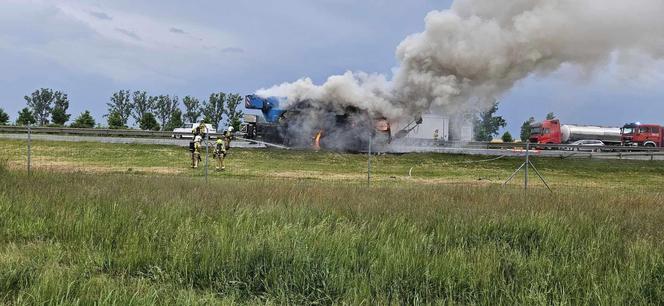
552	132
588	145
185	130
643	135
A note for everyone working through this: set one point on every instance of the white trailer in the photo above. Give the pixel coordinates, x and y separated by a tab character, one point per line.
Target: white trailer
423	131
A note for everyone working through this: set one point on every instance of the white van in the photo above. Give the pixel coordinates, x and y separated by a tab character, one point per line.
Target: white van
186	130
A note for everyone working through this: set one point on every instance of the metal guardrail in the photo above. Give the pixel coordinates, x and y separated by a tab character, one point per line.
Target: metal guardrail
578	149
568	147
90	132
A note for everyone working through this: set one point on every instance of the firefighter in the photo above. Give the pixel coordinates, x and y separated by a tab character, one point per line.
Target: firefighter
200	130
228	136
196	151
435	136
220	154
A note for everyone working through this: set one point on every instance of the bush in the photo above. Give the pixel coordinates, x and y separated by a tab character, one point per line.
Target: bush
507	137
26	117
84	121
4	117
149	122
115	121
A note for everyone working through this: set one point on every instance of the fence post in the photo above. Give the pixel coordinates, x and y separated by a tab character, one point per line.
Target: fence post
525	186
29	150
369	162
207	144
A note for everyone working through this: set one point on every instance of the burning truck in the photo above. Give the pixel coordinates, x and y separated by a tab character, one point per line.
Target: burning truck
315	124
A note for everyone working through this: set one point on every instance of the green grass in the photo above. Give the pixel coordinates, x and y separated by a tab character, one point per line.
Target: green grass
391	170
108	237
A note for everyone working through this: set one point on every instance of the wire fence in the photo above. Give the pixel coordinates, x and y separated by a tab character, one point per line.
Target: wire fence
39	152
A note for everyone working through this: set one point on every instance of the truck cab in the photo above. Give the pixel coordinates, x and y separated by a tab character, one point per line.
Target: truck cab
642	135
270	107
546	132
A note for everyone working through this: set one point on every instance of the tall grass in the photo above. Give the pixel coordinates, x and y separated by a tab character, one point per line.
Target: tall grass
114	239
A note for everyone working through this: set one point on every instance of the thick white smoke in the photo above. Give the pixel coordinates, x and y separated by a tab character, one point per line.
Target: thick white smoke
473	53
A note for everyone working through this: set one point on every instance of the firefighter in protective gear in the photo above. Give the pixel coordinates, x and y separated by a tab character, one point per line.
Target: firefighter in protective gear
228	136
196	152
200	130
220	154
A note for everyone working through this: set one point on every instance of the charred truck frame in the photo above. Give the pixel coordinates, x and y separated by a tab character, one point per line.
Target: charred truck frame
315	124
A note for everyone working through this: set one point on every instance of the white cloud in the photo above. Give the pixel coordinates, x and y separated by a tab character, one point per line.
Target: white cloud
120	45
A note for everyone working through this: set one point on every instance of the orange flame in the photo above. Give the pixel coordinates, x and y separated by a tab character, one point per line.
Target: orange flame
317	140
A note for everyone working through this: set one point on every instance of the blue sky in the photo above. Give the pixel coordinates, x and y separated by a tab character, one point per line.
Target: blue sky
89	49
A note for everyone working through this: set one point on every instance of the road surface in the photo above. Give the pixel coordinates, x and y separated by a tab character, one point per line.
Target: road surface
121	140
396	149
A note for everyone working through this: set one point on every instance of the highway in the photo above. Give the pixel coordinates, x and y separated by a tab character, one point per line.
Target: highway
393	149
121	140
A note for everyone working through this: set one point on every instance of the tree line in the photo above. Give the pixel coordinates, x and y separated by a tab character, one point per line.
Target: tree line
46	107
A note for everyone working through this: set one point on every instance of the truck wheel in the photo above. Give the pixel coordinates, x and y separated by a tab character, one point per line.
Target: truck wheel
650	145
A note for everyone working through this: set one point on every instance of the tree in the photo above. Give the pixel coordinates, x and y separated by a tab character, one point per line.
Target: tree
526	128
165	107
213	110
41	104
120	107
4	117
487	125
59	114
149	122
175	121
507	137
84	121
115	121
141	105
192	109
550	116
26	117
234	115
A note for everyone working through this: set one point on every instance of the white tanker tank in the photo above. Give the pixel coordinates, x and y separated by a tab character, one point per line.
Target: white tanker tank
570	133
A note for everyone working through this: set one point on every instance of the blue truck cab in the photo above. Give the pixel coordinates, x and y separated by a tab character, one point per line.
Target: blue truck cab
270	107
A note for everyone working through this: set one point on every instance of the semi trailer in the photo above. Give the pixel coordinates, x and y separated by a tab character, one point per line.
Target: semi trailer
552	132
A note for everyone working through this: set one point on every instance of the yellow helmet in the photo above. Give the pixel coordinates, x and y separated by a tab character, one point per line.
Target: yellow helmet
220	141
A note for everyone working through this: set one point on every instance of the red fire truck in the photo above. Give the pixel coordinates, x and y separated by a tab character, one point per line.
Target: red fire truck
642	135
552	132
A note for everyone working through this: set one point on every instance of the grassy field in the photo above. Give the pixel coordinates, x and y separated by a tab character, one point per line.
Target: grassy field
390	170
84	229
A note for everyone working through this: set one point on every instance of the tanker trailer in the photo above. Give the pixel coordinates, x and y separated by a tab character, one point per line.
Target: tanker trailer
608	135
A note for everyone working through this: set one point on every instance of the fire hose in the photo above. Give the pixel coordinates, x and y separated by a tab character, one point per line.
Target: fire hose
264	143
410	172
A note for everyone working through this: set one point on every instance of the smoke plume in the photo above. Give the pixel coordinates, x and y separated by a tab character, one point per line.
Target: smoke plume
476	51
